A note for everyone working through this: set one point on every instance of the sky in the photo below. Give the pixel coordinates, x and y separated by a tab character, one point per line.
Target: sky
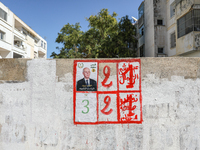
47	17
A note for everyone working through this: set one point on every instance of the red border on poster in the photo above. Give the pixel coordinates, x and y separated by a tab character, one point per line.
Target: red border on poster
117	61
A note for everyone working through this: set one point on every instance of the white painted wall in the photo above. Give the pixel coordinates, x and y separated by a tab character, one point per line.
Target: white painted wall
170	20
28	51
8	33
38	114
9	15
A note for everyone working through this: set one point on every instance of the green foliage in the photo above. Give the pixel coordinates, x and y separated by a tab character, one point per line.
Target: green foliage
106	38
128	34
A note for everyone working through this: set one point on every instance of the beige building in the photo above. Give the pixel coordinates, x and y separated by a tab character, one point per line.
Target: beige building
169	28
17	39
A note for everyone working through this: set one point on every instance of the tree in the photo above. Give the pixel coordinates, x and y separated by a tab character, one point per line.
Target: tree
106	38
70	37
128	34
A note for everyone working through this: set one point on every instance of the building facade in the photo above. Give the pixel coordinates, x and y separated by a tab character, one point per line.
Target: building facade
169	28
17	39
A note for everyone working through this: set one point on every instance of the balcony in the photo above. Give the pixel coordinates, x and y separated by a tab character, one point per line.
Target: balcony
194	1
141	41
19	33
141	21
5	45
5	49
188	43
19	45
41	50
184	6
19	50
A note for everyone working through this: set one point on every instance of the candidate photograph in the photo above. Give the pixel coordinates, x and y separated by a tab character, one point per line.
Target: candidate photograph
86	83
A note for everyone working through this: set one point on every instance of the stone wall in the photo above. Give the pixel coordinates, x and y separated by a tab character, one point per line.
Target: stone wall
36	108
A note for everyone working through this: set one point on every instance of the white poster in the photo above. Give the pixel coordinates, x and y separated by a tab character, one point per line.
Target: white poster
86	107
86	76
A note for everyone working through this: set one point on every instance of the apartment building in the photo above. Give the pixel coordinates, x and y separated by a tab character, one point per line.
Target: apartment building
17	39
169	28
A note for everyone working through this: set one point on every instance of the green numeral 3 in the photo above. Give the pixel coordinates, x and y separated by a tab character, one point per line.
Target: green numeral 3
86	106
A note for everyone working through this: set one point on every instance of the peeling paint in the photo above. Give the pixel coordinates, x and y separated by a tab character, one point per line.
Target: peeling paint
13	133
46	137
183	7
159	30
197	41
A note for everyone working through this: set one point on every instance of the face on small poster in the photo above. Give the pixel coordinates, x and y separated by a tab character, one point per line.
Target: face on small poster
86	76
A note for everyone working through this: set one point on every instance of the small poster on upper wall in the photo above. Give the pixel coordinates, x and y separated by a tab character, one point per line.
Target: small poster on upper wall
86	76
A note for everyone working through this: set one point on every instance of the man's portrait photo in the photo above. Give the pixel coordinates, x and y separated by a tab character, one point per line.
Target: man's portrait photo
86	83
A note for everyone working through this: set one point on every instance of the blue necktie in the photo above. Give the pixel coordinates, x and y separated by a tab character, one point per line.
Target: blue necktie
86	82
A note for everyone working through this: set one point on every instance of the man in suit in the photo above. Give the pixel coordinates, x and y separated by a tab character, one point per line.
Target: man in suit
86	84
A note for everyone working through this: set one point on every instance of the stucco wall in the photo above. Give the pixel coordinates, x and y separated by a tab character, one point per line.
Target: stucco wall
160	38
36	108
183	7
171	28
148	29
188	43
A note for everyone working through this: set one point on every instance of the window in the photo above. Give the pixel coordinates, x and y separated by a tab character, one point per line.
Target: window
142	54
141	10
44	45
173	40
2	35
31	35
3	14
160	50
178	1
18	43
196	20
141	30
15	55
159	22
24	31
172	10
188	23
41	43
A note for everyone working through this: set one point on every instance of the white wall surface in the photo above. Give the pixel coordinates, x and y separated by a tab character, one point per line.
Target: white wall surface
37	114
9	15
28	51
8	34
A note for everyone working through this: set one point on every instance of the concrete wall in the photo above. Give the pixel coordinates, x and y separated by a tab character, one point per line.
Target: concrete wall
149	29
171	28
183	7
36	108
160	38
188	44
